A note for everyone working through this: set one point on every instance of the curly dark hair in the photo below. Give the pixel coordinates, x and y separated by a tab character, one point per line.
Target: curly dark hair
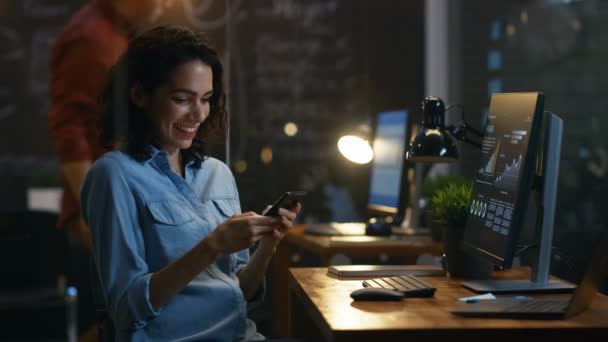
148	61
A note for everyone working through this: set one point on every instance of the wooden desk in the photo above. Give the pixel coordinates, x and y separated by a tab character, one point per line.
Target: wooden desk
406	249
321	308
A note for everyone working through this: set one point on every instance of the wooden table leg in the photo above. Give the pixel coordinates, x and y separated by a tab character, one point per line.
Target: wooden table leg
300	323
281	263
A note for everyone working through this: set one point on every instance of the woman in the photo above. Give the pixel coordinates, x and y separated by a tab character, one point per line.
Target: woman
170	245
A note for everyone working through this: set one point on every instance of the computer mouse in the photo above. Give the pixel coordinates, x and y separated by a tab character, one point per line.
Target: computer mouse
374	293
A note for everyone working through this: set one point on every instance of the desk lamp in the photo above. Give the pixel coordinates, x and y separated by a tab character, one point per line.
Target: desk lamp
434	143
355	146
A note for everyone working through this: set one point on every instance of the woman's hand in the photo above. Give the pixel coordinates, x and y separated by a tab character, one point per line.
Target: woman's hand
252	275
242	231
286	222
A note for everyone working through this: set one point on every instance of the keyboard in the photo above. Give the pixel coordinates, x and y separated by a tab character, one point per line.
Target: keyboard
515	308
409	285
542	306
336	228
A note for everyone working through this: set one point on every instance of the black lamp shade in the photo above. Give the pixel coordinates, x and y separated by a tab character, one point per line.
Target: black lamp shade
433	144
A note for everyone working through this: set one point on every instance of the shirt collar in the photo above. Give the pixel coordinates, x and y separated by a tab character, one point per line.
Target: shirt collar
191	158
150	153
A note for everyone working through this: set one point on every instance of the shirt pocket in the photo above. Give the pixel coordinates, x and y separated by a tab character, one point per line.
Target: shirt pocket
225	206
170	213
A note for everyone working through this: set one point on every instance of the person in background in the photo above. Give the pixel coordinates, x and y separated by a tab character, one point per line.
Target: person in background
169	241
80	60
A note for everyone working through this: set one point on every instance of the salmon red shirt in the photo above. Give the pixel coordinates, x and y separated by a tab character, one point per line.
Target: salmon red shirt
81	59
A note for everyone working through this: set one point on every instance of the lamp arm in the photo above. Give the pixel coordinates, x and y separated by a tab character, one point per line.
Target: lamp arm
468	128
460	132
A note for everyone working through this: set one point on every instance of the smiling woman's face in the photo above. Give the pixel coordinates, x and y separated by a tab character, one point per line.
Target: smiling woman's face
179	106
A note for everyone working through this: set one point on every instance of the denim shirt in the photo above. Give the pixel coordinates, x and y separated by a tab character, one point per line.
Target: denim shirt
143	216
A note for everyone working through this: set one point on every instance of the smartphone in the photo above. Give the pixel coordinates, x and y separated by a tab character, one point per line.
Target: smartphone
288	201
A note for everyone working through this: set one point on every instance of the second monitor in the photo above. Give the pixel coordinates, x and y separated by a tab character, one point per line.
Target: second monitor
388	181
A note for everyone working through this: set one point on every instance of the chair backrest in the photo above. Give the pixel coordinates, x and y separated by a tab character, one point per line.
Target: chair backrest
33	252
34	302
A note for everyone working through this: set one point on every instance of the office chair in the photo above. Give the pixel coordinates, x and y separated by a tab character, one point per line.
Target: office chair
34	300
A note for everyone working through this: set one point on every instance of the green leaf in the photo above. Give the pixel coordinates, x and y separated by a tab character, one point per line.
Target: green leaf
450	204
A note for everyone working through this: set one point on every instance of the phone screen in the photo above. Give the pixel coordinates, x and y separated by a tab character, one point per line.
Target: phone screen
288	201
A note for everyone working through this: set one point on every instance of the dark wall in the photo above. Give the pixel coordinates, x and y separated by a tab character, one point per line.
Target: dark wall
322	64
27	30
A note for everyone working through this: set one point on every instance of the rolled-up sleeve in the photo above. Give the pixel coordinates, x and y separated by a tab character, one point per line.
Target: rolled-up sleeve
109	207
242	258
257	300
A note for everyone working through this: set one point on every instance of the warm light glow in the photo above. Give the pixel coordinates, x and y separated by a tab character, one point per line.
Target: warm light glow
290	129
355	149
510	30
240	166
266	155
524	17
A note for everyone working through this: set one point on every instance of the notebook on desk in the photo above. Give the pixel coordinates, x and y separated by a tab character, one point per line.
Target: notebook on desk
385	270
547	308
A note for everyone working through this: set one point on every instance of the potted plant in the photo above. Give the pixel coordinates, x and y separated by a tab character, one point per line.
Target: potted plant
450	206
429	188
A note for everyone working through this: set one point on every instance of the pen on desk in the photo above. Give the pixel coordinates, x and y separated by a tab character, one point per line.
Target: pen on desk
474	299
471	300
489	296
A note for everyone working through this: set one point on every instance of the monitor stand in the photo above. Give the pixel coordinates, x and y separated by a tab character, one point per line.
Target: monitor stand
407	227
549	151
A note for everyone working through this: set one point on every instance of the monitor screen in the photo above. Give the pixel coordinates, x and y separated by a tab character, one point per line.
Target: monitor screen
387	180
502	182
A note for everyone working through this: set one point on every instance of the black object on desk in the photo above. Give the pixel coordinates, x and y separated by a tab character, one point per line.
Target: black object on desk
376	294
378	228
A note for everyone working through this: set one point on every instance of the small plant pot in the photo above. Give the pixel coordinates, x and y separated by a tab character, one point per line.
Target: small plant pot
460	264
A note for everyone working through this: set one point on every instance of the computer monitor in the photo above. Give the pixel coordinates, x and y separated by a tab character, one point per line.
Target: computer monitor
388	186
521	141
388	179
